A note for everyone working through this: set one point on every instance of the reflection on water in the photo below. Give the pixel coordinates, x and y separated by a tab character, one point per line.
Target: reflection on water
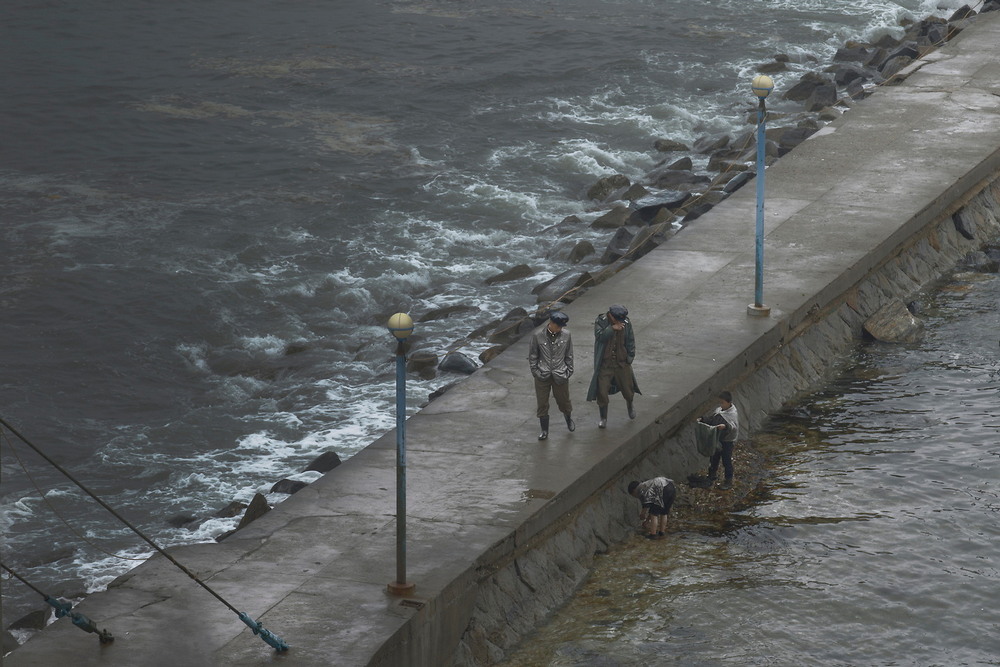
870	542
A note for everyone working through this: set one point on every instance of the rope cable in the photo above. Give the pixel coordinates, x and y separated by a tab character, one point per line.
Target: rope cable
64	608
256	626
13	450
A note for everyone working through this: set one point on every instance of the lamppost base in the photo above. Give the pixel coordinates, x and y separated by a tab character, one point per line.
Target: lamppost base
400	588
759	310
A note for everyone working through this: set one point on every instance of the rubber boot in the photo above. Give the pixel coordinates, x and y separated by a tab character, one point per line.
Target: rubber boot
631	410
544	421
604	417
570	424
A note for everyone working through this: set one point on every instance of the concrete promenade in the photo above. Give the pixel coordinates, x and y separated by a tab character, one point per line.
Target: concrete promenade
482	490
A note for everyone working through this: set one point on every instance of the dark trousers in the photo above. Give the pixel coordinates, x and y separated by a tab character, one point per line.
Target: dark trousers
559	391
622	375
669	494
726	456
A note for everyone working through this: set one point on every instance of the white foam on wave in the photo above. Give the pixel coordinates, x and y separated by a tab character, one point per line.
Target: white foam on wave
268	344
97	572
612	108
584	156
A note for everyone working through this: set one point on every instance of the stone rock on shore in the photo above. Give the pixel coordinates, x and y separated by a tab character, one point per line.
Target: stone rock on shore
7	642
441	313
581	251
511	327
844	74
709	144
672	179
563	287
423	363
647	209
325	462
489	354
288	486
963	12
441	391
604	188
697	211
634	192
618	246
669	145
893	323
35	620
823	95
801	91
738	181
514	273
683	164
234	508
648	238
458	362
613	219
772	67
257	508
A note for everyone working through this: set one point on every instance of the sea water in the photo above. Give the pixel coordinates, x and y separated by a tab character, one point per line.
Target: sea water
209	210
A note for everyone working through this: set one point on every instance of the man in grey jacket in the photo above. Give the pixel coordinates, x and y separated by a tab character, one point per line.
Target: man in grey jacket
550	357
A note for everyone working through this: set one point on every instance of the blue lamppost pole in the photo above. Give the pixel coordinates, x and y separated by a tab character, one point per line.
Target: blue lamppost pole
400	326
762	86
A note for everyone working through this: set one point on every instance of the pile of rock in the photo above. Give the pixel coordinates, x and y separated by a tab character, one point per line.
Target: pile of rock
639	216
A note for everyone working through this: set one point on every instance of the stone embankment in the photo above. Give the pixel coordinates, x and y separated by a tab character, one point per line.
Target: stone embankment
501	529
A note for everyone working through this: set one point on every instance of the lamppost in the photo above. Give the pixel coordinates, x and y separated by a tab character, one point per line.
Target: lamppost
762	86
401	326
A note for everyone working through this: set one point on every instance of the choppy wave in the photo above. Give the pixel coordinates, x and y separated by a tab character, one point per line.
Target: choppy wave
215	255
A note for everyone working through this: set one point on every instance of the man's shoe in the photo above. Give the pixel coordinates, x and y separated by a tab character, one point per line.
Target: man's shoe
602	424
726	485
631	411
544	422
604	417
570	424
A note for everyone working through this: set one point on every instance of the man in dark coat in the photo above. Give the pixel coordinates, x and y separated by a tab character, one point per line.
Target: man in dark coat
614	350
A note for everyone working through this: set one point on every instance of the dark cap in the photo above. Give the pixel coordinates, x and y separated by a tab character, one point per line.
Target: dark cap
618	312
559	317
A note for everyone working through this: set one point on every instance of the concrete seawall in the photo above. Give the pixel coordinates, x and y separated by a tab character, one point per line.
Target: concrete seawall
502	528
